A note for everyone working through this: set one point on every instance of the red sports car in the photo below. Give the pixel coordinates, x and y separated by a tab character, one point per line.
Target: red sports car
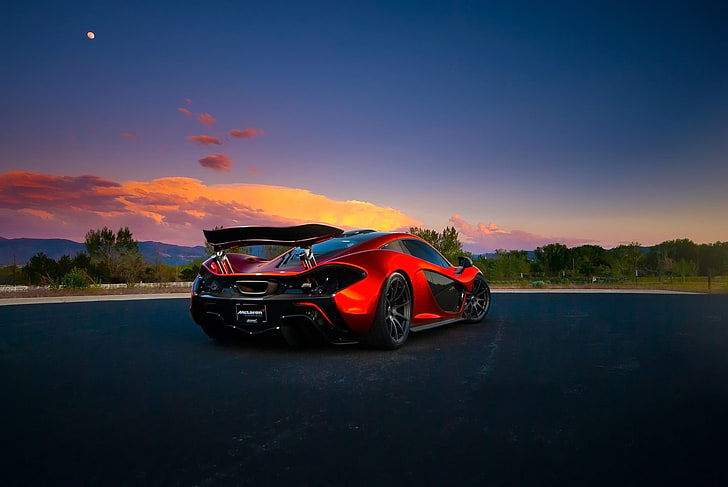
360	286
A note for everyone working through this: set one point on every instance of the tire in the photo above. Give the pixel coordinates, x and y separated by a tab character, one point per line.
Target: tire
391	325
477	302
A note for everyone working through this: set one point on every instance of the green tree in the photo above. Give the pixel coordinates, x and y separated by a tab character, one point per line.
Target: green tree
10	274
160	272
65	264
426	234
484	264
450	245
41	270
509	265
131	266
713	260
665	257
189	272
554	259
100	248
590	260
626	260
447	242
82	261
685	268
115	256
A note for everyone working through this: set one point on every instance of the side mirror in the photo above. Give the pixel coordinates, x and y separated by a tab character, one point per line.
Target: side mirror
465	261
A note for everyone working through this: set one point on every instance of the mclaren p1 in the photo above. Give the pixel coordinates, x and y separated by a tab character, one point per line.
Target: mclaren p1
359	286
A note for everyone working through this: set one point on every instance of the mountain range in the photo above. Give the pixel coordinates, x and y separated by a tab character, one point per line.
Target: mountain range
19	250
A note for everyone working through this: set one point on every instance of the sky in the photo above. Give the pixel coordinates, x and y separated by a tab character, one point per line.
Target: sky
518	123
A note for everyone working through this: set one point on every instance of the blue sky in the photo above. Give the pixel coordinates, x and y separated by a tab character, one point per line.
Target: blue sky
520	124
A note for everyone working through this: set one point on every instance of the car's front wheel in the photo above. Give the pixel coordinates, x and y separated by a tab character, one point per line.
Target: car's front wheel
391	325
478	301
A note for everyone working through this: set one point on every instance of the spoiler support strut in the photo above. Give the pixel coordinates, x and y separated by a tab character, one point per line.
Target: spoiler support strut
307	258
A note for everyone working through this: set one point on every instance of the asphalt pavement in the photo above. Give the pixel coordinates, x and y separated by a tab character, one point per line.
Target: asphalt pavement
552	389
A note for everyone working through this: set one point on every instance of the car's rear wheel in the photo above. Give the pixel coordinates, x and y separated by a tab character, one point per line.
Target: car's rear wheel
478	301
391	325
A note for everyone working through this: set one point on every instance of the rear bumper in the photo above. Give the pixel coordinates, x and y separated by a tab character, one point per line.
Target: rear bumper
254	316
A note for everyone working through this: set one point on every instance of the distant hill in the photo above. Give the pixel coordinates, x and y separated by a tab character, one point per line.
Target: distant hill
170	254
20	250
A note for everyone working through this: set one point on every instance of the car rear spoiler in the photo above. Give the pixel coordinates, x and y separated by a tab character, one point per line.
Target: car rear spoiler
299	235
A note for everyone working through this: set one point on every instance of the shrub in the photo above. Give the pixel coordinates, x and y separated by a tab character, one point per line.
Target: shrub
76	279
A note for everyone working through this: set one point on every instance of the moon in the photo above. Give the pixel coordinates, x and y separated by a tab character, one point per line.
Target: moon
90	35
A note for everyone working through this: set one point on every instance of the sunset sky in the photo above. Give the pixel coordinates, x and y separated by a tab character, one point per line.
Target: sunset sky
518	123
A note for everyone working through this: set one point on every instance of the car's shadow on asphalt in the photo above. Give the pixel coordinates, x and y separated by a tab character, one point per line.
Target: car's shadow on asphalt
274	343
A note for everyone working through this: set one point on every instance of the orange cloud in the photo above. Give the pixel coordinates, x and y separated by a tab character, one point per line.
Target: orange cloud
206	119
217	162
488	238
42	214
253	170
173	210
248	133
129	136
204	139
481	229
185	112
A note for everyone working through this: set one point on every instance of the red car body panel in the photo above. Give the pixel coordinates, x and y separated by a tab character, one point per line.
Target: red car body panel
358	302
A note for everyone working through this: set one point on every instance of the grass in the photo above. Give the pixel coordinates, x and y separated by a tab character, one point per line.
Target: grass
695	284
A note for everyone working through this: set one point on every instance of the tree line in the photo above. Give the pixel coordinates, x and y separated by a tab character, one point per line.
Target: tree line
114	257
668	260
110	257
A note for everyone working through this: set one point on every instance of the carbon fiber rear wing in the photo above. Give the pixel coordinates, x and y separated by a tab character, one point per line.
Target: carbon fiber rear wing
300	235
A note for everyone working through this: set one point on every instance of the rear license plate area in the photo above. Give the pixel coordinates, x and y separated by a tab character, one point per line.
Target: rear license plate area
251	314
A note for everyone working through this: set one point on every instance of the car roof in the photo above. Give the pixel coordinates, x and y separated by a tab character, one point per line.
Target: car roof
357	241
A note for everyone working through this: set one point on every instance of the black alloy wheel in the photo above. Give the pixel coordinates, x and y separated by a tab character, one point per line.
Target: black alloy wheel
394	313
478	301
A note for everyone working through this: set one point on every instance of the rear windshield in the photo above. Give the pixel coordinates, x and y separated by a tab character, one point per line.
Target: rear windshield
325	250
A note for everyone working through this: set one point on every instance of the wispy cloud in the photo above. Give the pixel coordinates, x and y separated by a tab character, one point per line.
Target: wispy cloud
185	112
42	214
173	210
206	119
204	139
217	162
247	133
490	237
129	136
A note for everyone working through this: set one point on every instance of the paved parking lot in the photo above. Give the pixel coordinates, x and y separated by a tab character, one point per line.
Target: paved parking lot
569	388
